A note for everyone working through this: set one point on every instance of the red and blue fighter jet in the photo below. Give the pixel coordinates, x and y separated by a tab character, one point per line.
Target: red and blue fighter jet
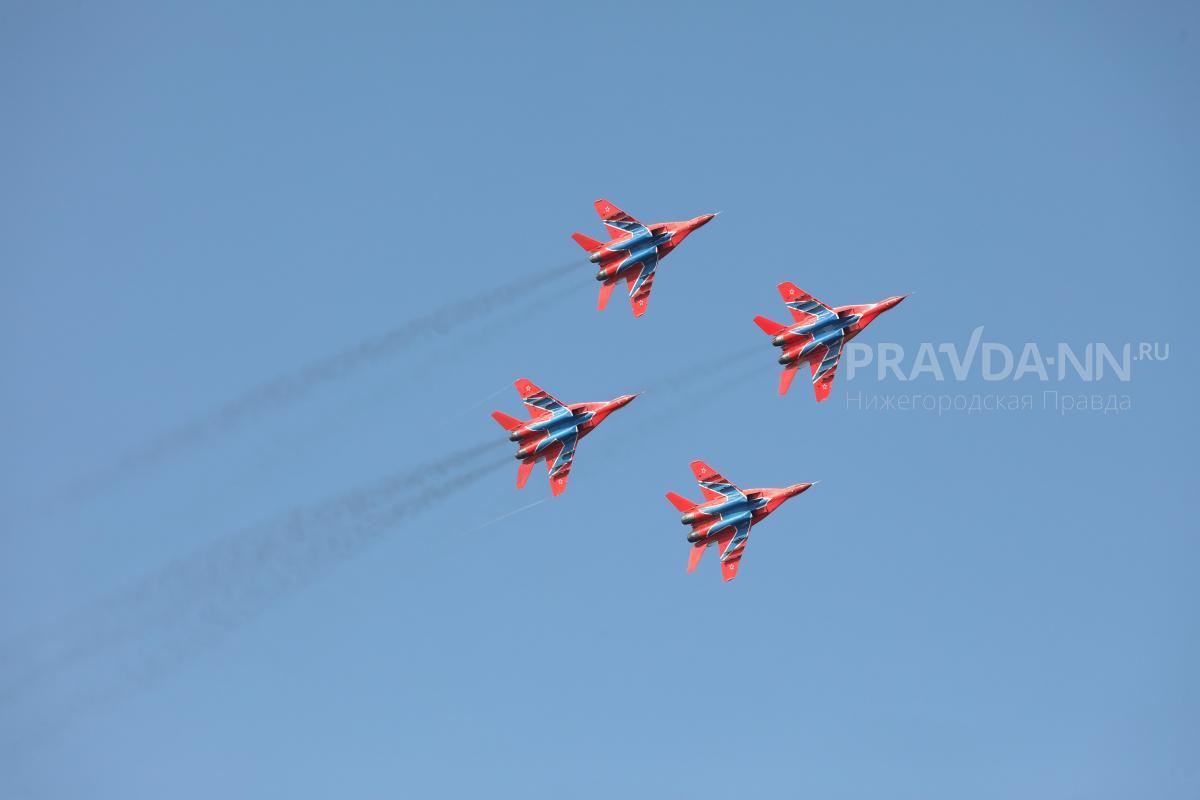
817	334
552	431
726	515
633	252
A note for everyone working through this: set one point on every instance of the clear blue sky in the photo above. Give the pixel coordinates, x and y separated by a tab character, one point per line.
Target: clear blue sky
986	606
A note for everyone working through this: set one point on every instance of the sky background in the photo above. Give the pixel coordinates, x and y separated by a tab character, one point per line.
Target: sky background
198	200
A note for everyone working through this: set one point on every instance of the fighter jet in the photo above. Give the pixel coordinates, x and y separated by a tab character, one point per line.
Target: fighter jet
725	516
634	251
552	431
817	334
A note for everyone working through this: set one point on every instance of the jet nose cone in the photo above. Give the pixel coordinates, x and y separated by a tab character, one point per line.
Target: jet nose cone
799	488
892	302
702	220
626	399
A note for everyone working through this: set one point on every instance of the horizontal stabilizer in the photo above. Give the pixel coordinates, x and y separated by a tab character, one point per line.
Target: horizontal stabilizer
587	242
681	503
769	327
506	422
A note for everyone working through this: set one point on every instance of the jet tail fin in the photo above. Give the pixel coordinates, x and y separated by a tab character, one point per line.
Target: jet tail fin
694	556
506	422
523	470
681	503
785	378
587	242
770	328
606	290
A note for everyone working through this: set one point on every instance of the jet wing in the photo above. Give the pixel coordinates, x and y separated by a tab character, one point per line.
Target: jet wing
640	284
824	363
732	543
559	458
713	484
804	307
618	223
540	403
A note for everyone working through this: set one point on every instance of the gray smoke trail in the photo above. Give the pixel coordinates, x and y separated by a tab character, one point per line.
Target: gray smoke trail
694	390
350	414
707	368
203	599
162	597
292	386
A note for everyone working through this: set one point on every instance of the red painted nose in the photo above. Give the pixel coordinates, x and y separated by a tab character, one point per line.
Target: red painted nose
797	488
702	220
891	302
624	400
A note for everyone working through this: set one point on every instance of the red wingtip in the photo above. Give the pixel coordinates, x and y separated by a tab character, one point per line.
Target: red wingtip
790	291
525	387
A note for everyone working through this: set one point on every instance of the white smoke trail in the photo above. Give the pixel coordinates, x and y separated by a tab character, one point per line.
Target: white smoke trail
506	515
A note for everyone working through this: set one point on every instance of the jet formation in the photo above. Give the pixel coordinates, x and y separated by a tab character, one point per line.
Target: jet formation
633	252
817	334
553	431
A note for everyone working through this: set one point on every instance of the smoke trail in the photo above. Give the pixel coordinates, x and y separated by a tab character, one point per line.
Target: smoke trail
180	611
161	597
196	602
695	390
706	390
489	396
292	386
